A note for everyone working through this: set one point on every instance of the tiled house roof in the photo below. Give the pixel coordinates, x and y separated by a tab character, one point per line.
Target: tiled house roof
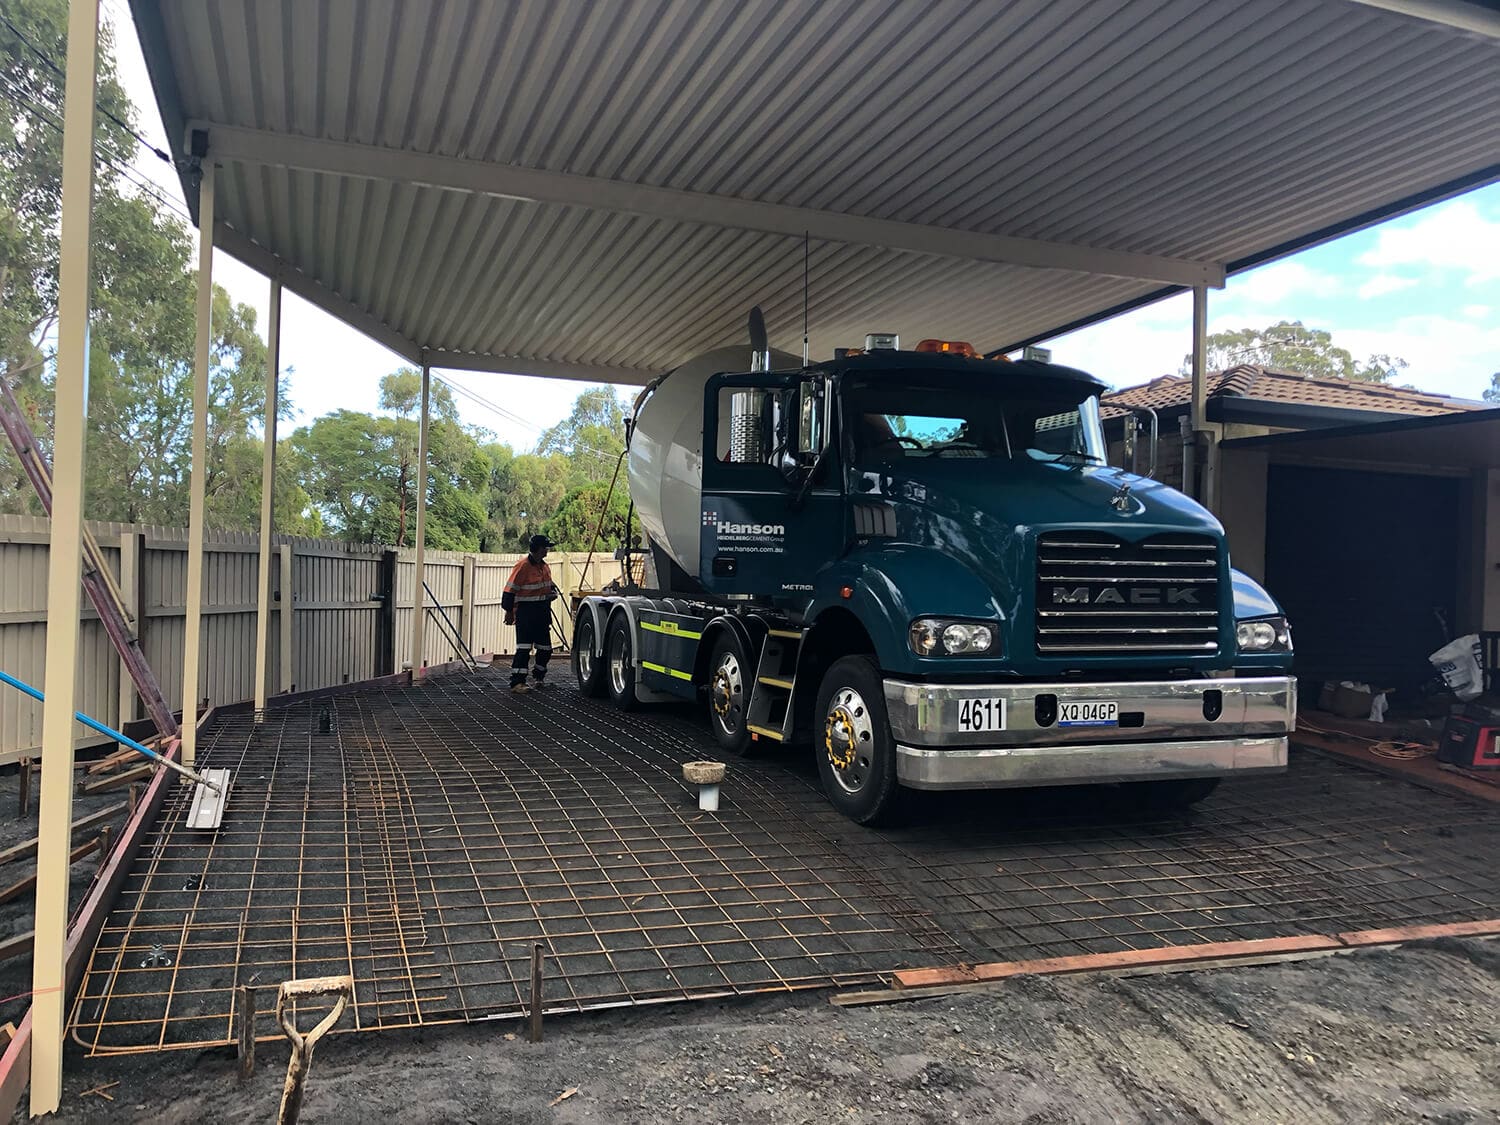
1267	384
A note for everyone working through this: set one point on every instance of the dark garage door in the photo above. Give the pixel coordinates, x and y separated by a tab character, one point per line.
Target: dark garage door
1364	563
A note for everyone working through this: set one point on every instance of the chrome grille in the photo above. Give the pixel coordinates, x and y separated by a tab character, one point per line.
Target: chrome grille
1099	594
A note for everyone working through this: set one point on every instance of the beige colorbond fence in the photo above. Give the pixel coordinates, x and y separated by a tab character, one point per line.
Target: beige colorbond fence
343	624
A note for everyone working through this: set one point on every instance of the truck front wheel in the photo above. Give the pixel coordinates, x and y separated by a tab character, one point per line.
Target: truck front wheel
852	740
619	664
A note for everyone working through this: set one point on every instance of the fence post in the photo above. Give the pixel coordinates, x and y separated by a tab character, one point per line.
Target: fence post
130	592
466	620
286	607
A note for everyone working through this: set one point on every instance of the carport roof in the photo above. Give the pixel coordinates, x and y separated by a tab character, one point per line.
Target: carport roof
1450	441
600	190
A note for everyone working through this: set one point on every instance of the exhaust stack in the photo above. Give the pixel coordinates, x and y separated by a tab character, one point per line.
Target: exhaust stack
760	347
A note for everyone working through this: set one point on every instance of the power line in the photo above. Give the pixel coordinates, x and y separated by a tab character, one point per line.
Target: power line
46	58
40	111
510	416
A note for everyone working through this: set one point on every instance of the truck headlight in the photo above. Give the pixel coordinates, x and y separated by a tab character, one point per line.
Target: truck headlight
1263	634
937	636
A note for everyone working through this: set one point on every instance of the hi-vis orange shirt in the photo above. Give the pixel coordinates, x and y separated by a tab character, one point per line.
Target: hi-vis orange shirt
528	582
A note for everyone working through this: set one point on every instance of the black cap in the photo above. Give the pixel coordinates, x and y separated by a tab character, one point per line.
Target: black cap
539	543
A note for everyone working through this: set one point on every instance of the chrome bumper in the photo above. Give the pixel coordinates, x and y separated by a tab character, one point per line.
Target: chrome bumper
1169	733
1017	766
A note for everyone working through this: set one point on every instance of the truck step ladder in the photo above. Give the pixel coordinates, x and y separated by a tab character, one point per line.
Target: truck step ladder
770	712
98	581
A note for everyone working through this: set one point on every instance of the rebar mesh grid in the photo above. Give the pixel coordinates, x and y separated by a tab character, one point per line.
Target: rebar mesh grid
1325	848
434	834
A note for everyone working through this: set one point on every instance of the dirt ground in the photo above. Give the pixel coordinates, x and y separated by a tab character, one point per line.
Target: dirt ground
18	915
1380	1035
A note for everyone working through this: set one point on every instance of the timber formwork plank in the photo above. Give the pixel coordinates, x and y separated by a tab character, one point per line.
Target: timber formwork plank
424	838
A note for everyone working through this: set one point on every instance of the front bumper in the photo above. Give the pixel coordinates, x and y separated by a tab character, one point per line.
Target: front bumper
1166	732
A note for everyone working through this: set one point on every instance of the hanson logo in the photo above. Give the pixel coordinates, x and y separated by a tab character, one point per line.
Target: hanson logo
1136	595
724	527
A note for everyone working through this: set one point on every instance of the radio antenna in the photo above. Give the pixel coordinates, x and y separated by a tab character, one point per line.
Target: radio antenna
806	243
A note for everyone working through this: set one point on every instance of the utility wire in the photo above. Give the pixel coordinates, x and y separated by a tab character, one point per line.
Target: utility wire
39	109
52	63
480	400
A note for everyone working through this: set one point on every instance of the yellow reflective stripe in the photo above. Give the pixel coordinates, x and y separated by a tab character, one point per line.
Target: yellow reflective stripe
665	671
671	629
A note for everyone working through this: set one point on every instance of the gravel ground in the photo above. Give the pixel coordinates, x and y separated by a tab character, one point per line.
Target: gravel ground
1373	1036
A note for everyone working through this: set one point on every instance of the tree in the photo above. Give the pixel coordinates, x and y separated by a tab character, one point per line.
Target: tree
1292	346
31	204
577	522
523	493
361	470
592	436
1492	393
142	316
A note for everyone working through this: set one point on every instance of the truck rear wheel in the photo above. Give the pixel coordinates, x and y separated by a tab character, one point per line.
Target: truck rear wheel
619	664
729	694
852	740
587	666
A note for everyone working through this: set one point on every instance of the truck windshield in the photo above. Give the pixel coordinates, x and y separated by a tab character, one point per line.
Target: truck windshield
896	419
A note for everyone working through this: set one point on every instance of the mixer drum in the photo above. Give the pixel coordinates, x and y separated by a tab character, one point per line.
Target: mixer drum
666	449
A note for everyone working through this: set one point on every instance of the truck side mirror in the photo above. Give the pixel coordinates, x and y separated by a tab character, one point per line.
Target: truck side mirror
1135	421
810	410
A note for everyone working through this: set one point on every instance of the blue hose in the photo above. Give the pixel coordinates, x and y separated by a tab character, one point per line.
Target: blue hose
93	724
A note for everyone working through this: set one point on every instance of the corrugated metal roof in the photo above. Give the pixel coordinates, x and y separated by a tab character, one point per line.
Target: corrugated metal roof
1209	133
1268	384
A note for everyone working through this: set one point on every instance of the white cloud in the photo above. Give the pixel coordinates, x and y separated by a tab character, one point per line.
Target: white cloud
1273	284
1476	312
1447	356
1384	283
1451	236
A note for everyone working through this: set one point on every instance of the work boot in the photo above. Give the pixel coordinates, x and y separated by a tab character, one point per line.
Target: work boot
519	688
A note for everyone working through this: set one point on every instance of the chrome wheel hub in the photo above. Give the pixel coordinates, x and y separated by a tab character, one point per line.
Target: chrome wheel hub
727	693
619	660
585	653
849	739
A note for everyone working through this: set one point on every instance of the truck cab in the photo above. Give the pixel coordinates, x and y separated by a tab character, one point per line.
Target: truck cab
920	562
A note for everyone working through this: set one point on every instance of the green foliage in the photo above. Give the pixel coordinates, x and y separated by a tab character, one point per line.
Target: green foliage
592	436
1291	346
573	527
142	321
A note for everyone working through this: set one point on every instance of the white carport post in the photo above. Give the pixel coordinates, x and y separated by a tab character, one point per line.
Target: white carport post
1197	419
199	465
267	495
419	578
64	566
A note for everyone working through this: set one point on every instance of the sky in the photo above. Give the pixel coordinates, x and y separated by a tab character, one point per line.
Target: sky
1425	287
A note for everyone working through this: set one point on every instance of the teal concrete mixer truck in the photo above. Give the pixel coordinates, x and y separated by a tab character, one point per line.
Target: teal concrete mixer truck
920	563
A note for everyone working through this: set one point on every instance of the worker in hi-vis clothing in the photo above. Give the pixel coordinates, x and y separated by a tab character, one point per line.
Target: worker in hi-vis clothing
527	602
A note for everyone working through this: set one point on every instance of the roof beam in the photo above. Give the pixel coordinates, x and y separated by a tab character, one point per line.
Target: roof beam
508	181
1461	15
257	257
541	368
